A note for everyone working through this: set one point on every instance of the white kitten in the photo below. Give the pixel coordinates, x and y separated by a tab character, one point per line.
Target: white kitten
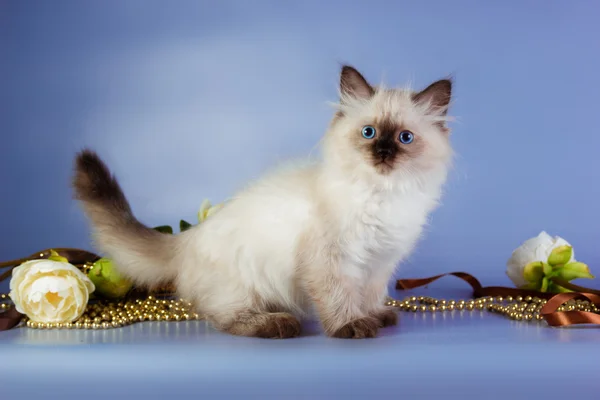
323	237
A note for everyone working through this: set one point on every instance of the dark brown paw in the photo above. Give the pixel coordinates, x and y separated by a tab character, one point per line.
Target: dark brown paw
358	329
279	326
386	317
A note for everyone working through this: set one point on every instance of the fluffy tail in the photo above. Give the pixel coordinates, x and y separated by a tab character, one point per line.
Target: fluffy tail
142	254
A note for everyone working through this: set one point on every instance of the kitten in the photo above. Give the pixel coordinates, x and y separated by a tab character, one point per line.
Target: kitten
322	237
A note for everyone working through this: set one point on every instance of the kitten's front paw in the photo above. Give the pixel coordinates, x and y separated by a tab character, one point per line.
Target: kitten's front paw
358	329
386	317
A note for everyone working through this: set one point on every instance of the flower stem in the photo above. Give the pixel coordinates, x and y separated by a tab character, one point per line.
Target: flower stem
573	287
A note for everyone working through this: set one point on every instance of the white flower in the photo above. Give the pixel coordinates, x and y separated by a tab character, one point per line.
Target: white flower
534	249
50	291
206	210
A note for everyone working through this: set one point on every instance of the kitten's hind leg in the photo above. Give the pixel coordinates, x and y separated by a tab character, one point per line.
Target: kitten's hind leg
270	325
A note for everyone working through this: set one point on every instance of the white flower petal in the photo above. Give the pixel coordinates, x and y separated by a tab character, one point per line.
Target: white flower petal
514	271
50	291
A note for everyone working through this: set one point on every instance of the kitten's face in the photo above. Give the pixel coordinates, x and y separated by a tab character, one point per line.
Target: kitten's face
389	131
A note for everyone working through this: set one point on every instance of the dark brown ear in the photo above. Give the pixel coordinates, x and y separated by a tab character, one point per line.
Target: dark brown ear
353	84
438	95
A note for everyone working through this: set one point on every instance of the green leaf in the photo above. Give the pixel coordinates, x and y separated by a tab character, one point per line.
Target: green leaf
545	283
107	280
164	229
54	256
554	288
547	269
560	255
574	270
534	271
184	226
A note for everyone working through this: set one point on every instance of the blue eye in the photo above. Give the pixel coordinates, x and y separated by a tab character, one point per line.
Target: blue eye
406	137
368	132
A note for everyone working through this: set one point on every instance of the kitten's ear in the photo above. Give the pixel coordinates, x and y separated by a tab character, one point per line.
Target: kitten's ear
438	95
353	84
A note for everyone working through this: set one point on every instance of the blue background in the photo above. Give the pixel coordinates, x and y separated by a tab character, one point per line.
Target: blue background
189	100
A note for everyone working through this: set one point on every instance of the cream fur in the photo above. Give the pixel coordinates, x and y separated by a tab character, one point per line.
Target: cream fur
320	238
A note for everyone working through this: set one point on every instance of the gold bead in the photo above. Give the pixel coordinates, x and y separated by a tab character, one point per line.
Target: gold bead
509	299
33	324
519	298
195	316
68	325
3	296
480	306
413	299
499	299
178	318
167	318
95	325
460	307
528	299
78	325
442	302
432	308
528	317
469	307
423	308
413	308
150	317
420	298
105	325
443	307
450	307
158	317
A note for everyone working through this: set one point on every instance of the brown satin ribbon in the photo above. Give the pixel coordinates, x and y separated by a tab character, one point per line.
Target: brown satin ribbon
549	311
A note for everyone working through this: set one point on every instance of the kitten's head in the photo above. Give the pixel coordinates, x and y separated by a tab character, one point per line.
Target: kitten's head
389	132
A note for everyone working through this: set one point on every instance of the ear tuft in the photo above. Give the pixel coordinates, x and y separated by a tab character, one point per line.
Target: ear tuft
353	84
438	95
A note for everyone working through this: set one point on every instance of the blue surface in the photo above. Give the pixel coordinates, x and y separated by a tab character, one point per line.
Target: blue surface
458	355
